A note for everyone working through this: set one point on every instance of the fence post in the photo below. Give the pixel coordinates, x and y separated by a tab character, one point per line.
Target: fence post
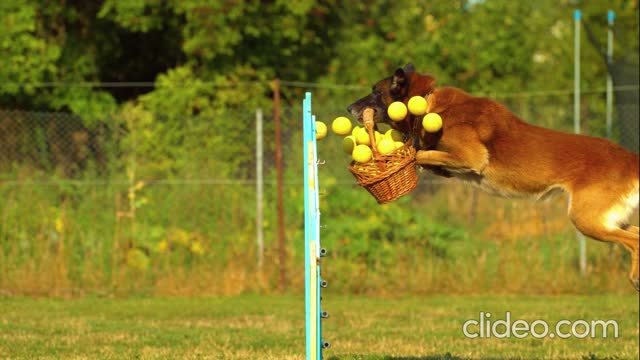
610	17
276	118
259	190
576	123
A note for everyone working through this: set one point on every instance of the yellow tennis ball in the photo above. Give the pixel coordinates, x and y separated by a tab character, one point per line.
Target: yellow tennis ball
385	146
394	135
378	136
398	144
348	144
417	105
362	154
341	125
355	131
432	122
362	137
321	130
397	111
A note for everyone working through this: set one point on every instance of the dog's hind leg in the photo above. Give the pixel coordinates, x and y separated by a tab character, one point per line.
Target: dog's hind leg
616	235
600	217
635	267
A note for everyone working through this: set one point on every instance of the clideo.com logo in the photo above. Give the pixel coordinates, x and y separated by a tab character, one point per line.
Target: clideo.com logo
485	327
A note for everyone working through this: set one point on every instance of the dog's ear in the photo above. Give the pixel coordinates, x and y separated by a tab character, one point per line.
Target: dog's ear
409	68
399	82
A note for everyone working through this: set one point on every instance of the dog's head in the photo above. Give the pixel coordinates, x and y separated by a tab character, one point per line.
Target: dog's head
401	86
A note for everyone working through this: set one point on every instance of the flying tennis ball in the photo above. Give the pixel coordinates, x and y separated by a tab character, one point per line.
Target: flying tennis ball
348	144
362	137
432	122
394	135
386	146
341	125
321	130
417	105
397	111
362	154
398	144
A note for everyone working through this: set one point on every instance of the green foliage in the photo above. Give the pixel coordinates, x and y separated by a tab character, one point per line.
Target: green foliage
483	46
135	15
211	64
27	55
93	106
181	109
362	230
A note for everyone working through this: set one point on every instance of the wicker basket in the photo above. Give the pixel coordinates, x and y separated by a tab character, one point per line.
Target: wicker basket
386	177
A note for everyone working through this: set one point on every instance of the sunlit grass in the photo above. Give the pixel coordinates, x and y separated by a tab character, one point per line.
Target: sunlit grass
81	246
272	327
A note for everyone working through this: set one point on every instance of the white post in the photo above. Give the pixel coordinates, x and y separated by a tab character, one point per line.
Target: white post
576	122
259	190
610	17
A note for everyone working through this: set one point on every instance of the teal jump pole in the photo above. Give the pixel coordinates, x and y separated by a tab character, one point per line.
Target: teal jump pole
312	249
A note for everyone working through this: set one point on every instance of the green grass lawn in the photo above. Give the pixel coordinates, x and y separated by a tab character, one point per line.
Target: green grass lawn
272	327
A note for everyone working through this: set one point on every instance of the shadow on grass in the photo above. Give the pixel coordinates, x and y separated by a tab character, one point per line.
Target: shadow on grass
446	356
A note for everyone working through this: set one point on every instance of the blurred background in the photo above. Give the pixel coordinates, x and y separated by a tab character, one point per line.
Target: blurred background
128	138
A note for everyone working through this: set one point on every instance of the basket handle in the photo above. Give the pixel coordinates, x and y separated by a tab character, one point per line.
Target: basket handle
367	120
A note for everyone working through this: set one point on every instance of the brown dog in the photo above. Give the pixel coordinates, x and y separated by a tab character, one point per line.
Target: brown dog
483	143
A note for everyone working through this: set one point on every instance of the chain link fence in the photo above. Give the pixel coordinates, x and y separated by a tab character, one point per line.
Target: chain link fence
59	144
131	204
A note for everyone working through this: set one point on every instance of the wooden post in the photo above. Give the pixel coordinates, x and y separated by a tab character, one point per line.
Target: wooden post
281	242
259	191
